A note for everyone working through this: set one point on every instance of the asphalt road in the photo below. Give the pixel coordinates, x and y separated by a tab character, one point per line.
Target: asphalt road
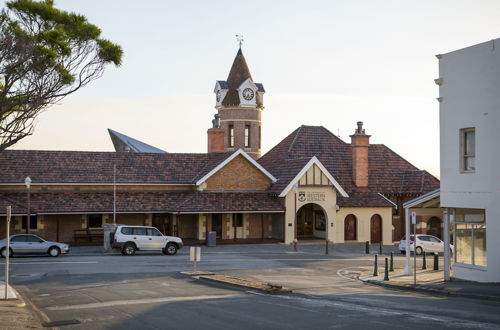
146	291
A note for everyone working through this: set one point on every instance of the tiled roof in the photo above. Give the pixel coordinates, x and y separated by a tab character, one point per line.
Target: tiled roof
237	75
389	173
126	202
97	167
230	201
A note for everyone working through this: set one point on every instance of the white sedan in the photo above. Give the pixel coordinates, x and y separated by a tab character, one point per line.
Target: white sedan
425	243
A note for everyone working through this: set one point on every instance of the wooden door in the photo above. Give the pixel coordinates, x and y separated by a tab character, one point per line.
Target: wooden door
376	229
217	225
163	223
350	228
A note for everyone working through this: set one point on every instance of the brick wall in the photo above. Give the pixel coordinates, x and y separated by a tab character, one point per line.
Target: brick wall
238	175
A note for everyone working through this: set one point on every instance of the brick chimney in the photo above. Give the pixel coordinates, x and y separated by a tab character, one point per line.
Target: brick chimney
359	145
215	140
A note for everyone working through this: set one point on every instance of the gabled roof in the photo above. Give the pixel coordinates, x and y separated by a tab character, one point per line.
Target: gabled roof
124	143
229	159
389	173
313	161
79	167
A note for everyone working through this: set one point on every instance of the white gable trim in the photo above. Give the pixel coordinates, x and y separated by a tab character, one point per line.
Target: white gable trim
422	199
313	161
229	159
247	83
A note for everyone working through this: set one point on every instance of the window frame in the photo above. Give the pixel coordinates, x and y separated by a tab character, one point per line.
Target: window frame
230	135
473	244
33	222
94	215
237	219
466	155
247	136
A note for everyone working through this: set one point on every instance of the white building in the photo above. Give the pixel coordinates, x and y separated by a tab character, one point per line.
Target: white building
469	81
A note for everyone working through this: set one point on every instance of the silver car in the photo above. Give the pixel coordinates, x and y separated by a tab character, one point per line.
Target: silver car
32	244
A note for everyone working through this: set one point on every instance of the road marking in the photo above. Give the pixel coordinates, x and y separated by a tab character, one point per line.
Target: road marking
50	263
140	301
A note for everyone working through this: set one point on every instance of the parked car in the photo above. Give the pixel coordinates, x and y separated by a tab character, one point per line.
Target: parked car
133	238
425	243
32	244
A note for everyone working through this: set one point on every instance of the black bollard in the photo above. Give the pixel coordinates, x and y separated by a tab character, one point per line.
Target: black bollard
380	248
386	273
375	268
436	262
424	262
391	268
367	247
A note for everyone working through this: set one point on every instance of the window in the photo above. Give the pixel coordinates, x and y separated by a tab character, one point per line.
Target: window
153	232
94	221
247	136
127	230
33	238
260	135
231	136
33	222
140	231
468	149
238	220
19	238
470	239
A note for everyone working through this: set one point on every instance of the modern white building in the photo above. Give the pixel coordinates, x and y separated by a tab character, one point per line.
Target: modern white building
469	81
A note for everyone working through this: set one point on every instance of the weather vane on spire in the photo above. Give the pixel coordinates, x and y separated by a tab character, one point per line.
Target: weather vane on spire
239	38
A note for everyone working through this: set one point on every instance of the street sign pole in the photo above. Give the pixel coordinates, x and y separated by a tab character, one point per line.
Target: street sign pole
7	223
195	256
414	222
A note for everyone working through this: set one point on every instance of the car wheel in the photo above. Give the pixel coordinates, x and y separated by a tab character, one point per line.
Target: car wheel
128	249
54	251
3	252
170	249
418	250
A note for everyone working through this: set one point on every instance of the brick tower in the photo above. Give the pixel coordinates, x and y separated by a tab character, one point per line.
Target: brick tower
239	102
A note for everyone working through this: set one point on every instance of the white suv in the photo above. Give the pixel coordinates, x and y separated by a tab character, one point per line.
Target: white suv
132	238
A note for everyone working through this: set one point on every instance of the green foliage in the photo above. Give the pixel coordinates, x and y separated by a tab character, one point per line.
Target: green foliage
45	54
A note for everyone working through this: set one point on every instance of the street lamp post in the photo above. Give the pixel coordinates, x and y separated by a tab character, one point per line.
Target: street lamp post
27	182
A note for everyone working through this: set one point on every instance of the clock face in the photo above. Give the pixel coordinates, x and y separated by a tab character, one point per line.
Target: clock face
248	94
217	96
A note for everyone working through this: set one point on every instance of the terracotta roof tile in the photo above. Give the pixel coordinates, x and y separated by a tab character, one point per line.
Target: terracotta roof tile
97	167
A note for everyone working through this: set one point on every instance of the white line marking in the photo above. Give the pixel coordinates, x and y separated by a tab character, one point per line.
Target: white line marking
50	263
139	301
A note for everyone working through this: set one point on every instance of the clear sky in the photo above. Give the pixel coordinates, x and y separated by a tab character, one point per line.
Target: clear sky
327	63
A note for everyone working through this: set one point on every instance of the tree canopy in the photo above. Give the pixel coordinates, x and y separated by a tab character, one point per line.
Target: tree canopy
45	55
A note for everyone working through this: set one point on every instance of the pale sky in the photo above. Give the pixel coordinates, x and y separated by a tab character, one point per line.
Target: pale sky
327	63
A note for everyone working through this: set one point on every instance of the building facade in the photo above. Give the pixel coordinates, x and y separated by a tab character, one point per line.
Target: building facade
470	181
310	185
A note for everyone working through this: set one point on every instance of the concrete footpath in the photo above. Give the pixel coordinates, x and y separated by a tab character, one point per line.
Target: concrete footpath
15	313
432	282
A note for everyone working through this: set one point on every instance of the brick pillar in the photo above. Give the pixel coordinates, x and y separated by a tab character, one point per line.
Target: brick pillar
215	140
359	145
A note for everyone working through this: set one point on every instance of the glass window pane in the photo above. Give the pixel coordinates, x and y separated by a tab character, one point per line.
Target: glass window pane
470	143
19	238
464	243
480	245
140	231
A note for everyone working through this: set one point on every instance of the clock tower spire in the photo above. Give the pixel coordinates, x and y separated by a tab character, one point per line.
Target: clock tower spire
239	102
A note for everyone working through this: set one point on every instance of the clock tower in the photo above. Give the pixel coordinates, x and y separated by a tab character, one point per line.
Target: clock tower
239	102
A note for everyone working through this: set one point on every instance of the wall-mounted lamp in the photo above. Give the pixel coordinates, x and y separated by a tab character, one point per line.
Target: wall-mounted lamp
438	81
337	207
440	99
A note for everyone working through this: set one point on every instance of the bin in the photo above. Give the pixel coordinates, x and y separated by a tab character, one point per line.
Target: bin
211	238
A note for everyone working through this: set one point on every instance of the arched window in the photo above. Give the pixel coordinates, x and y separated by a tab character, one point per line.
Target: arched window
350	228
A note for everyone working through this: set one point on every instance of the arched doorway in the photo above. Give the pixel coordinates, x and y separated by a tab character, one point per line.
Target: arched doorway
434	227
350	228
376	229
311	221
